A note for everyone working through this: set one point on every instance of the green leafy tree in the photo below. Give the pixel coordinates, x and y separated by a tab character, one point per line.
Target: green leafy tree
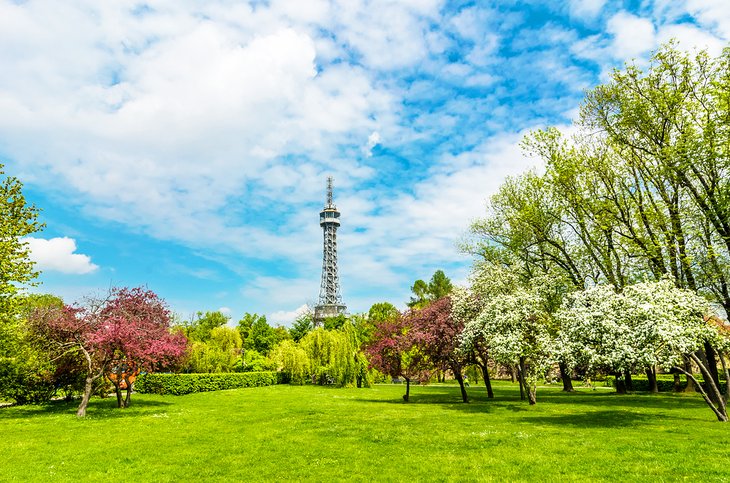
438	287
202	325
261	336
333	356
34	374
17	220
639	193
334	323
382	311
420	290
302	326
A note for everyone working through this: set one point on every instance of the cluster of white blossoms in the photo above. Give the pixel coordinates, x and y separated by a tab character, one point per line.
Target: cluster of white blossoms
647	324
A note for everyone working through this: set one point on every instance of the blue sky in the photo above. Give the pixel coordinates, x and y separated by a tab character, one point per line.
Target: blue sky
185	145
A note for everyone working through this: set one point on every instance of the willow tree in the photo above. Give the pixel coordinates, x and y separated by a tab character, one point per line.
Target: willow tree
332	355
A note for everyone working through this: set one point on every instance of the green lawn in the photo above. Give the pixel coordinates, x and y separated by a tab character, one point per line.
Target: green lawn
315	433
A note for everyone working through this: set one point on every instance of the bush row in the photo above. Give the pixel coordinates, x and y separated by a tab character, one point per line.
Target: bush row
665	384
178	384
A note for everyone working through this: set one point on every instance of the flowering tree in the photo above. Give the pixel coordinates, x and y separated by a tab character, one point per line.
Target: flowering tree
514	323
395	349
651	323
439	337
133	333
465	307
116	337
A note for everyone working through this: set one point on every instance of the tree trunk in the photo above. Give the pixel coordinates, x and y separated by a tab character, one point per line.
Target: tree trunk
117	388
726	370
487	380
620	383
714	397
712	372
523	383
408	389
522	387
651	377
690	387
532	394
88	386
677	382
512	372
128	398
565	376
629	381
719	410
460	379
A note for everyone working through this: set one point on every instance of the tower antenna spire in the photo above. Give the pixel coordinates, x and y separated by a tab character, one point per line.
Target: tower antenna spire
329	191
330	301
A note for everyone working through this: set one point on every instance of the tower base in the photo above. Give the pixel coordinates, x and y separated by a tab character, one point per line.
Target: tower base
325	311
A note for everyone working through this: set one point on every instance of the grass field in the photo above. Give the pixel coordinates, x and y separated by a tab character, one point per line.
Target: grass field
325	434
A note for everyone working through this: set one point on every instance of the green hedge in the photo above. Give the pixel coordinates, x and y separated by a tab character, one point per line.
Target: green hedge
178	384
665	382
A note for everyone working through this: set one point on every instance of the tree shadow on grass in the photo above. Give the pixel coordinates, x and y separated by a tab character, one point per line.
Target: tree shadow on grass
98	408
612	399
599	419
623	409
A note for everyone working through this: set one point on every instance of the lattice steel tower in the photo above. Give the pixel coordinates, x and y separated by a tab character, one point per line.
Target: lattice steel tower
330	301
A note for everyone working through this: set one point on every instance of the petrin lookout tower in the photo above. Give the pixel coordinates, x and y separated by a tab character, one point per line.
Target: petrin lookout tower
330	301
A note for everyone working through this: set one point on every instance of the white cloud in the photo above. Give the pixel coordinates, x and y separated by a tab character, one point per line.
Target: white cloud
691	38
632	35
586	9
57	254
159	121
285	317
712	13
225	311
373	140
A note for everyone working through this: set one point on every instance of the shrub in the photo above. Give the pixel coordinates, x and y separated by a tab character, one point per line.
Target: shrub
179	384
664	382
24	384
254	362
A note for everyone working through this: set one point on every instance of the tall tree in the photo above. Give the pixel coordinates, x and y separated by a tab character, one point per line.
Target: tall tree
382	311
438	287
17	220
201	326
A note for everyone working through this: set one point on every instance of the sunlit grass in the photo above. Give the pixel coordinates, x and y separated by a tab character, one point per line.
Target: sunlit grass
315	433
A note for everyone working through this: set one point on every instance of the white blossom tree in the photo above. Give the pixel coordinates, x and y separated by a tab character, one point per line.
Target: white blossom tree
514	323
651	323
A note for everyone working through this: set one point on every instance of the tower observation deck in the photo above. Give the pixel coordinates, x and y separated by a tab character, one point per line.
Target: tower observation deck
330	301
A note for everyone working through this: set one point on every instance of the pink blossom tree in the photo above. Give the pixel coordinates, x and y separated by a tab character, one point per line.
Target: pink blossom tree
118	336
134	335
395	349
438	335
